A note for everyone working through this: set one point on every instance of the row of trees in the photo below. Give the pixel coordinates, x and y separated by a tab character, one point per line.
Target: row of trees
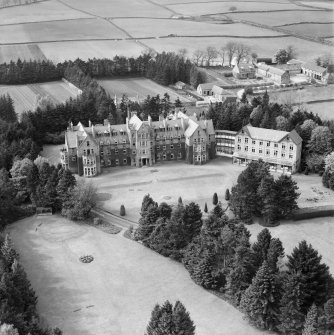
257	193
218	255
18	315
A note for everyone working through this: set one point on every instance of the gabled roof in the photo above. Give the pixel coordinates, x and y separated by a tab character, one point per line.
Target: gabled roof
179	83
206	86
135	122
313	67
295	61
192	127
208	125
271	134
244	67
71	139
271	69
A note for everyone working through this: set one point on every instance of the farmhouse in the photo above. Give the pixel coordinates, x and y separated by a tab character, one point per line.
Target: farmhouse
281	149
293	69
278	76
137	143
244	71
318	72
205	89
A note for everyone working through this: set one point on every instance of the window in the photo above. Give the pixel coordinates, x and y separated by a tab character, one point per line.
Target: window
253	142
246	148
87	143
124	141
276	145
195	140
179	155
73	159
171	156
253	149
246	139
275	153
158	157
291	147
116	151
84	152
204	158
164	147
283	154
164	157
268	144
92	151
283	146
267	152
125	161
116	142
124	151
291	156
202	139
109	162
117	162
180	145
239	147
133	152
260	151
158	147
261	143
172	146
239	139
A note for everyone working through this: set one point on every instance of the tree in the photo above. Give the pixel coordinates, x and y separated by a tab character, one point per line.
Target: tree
178	103
275	253
326	318
8	252
321	141
205	208
282	123
82	199
179	201
241	51
122	211
170	320
211	53
291	318
230	48
197	77
261	247
260	300
311	321
256	116
192	221
21	167
329	162
282	56
8	330
227	195
65	184
215	199
198	57
244	99
314	162
165	211
316	280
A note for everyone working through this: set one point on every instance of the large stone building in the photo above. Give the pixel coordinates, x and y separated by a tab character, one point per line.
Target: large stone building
325	75
137	143
278	76
244	71
281	149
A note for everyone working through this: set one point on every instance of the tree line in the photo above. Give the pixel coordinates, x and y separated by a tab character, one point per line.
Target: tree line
18	315
289	297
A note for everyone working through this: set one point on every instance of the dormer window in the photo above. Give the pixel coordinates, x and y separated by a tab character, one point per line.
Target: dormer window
87	143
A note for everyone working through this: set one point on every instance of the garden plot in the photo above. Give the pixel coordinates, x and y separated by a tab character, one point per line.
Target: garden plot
138	87
24	52
281	18
121	8
83	29
25	96
312	29
163	27
205	8
64	51
42	11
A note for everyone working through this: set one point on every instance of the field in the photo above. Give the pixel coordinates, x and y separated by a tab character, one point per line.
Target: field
163	27
24	52
312	29
321	4
197	9
137	87
281	18
324	109
25	96
116	293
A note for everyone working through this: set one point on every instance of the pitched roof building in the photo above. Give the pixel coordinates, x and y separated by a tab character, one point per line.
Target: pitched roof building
318	72
138	143
278	76
244	71
280	149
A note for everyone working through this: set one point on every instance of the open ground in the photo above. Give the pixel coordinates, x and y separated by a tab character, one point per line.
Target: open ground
138	88
25	96
116	293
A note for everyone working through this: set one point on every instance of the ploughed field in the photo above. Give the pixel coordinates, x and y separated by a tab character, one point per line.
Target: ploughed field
25	96
68	29
116	293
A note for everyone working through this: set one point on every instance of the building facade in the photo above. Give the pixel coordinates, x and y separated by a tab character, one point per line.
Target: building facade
280	149
278	76
325	75
138	143
244	71
225	142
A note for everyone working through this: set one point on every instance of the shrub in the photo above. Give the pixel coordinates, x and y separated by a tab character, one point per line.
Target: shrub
228	74
122	211
97	221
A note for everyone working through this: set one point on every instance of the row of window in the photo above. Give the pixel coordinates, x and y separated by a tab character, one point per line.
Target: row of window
200	158
199	148
268	143
267	152
171	146
125	161
89	171
172	156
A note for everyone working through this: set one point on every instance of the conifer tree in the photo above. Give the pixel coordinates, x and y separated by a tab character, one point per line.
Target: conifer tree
311	321
182	321
122	211
261	247
205	208
275	252
8	252
267	195
316	280
217	210
260	300
215	199
180	200
291	318
227	195
326	319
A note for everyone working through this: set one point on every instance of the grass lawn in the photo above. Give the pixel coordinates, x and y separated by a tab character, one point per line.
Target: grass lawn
141	87
312	29
116	293
324	109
